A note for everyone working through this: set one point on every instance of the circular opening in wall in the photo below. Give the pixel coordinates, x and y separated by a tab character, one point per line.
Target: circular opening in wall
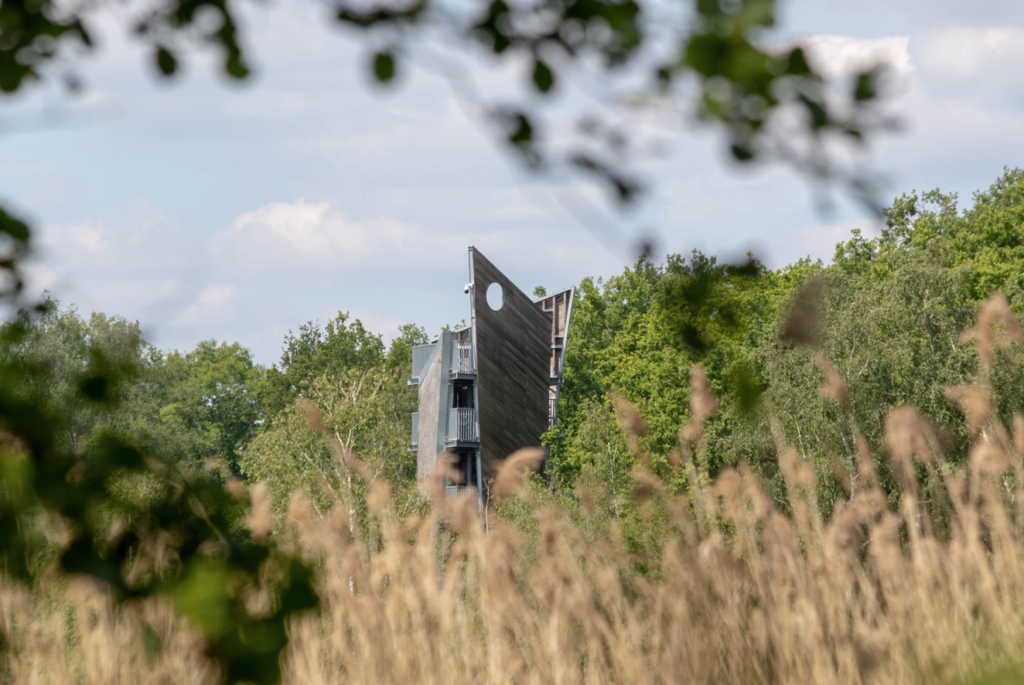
495	296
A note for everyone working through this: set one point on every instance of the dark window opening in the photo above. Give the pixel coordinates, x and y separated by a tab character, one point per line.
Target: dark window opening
462	395
465	469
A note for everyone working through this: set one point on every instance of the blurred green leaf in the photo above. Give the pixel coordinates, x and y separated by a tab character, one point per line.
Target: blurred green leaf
741	152
543	78
798	65
13	227
746	387
235	66
165	61
384	66
203	595
95	388
865	87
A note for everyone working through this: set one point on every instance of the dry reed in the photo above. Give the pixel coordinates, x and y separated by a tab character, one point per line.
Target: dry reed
743	594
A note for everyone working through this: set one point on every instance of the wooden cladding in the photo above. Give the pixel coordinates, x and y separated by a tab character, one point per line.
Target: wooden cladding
513	348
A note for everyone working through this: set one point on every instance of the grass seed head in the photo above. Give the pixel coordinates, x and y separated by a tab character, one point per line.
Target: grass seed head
907	435
803	324
512	472
974	403
996	323
261	514
1018	434
703	405
314	418
834	387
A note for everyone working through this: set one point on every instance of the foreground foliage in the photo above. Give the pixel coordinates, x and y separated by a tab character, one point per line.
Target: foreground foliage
78	499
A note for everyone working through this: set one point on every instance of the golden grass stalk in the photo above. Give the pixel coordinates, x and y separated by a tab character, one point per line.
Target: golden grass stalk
741	594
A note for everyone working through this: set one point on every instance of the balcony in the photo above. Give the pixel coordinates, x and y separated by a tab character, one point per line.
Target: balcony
459	490
462	427
468	491
415	432
462	360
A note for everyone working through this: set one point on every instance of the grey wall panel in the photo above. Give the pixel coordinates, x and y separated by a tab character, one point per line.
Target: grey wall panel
513	348
430	392
558	308
421	357
445	389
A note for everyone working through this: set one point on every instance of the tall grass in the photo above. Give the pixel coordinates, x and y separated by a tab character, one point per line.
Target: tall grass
926	587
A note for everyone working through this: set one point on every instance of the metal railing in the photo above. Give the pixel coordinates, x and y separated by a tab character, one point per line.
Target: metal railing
462	425
459	490
462	357
415	429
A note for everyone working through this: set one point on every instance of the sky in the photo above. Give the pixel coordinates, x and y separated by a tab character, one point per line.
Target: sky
205	210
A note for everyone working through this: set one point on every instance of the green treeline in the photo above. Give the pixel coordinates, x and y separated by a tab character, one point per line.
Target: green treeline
213	408
893	309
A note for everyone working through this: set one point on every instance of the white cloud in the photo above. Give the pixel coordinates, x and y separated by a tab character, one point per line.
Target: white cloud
385	325
204	309
305	234
218	295
525	203
303	237
445	129
844	56
272	104
90	236
39	278
817	241
134	262
968	53
136	239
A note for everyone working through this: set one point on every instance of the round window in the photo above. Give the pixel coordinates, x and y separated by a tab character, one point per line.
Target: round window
495	296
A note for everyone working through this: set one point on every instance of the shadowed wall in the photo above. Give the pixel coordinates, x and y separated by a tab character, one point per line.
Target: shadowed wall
430	416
